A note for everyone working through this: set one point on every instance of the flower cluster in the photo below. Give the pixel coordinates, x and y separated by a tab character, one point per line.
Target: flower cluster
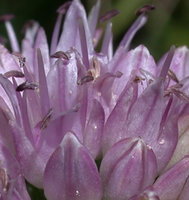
83	124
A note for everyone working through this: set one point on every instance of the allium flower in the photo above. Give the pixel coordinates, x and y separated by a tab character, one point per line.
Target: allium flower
92	125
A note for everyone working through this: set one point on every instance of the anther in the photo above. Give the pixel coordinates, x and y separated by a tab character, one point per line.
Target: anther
14	73
108	15
26	85
46	119
85	79
4	179
61	54
3	41
27	25
173	76
138	79
6	17
145	9
21	59
63	8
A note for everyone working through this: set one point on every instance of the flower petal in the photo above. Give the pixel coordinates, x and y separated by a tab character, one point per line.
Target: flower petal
127	168
71	173
93	130
117	119
169	185
70	35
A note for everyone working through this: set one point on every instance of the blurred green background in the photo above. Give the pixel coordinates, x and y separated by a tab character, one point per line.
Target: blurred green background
167	25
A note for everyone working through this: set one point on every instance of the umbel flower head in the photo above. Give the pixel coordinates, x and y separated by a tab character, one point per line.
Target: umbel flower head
83	124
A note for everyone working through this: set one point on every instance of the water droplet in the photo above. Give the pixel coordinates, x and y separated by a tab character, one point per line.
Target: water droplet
99	94
95	126
162	141
148	146
77	193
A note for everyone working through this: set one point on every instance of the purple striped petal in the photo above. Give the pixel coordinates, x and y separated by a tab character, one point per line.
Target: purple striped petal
135	60
170	184
93	18
70	35
71	173
93	130
41	43
185	192
107	45
31	161
147	194
137	25
180	62
127	168
64	78
12	185
117	119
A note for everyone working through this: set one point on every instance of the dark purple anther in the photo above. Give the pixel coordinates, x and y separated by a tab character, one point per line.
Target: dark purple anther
6	17
26	85
108	15
63	8
145	9
85	79
14	73
61	54
28	24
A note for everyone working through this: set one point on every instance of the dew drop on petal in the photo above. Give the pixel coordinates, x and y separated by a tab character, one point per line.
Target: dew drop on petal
95	127
77	193
148	146
99	94
162	141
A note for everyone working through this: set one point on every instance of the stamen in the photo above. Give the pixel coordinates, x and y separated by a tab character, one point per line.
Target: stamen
167	63
95	71
27	25
173	76
138	24
61	54
21	59
26	85
3	41
10	31
175	90
4	179
83	41
46	119
63	8
181	95
14	73
6	17
85	79
108	15
138	79
145	9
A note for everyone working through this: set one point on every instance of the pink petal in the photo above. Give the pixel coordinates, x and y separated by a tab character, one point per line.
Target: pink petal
41	43
107	45
185	192
63	77
70	35
169	185
137	25
117	119
93	130
71	173
93	17
127	168
12	183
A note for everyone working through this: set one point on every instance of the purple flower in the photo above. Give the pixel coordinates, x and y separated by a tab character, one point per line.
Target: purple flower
87	124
